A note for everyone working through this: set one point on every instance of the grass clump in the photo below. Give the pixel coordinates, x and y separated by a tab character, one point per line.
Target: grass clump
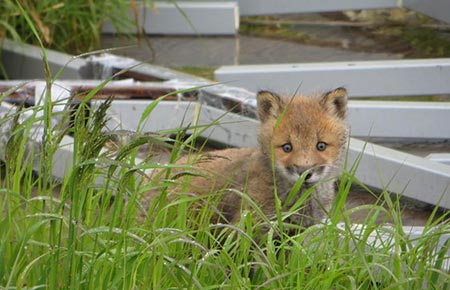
70	26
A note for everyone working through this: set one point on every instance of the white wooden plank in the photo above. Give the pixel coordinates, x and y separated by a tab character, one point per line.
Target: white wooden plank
399	172
261	7
62	159
24	61
361	78
439	157
227	128
415	120
185	18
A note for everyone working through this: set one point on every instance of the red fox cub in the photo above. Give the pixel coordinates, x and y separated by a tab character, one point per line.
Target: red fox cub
299	137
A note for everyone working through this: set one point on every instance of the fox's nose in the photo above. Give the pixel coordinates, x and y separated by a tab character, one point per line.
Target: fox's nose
308	175
304	169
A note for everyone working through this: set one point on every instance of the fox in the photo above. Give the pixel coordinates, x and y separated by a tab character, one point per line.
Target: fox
301	137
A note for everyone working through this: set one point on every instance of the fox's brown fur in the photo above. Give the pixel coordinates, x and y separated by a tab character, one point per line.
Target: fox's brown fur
300	137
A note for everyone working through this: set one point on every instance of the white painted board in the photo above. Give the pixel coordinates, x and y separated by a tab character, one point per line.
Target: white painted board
361	78
185	18
262	7
399	120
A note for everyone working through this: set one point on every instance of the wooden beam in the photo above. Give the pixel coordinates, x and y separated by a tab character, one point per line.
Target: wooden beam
361	78
185	18
265	7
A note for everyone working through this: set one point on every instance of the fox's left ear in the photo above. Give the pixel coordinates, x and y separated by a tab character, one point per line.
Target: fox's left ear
269	105
335	102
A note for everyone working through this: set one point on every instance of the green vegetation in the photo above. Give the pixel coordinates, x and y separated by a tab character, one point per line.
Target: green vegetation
414	41
276	31
427	42
70	26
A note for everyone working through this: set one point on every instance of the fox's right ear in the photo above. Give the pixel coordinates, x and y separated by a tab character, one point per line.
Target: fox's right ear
335	102
269	104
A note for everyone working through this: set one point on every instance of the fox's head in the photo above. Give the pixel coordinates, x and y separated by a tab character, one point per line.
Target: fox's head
305	135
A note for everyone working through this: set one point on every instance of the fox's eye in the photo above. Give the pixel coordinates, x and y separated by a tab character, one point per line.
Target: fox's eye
287	147
321	146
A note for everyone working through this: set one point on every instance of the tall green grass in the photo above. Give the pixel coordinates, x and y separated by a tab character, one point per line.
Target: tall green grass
70	26
89	230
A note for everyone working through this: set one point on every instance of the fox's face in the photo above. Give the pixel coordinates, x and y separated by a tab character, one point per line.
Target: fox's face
304	135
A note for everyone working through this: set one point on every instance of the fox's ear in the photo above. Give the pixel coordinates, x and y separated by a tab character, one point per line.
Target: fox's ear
335	102
269	104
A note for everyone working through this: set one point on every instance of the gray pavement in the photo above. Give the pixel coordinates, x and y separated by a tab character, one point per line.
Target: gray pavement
217	51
